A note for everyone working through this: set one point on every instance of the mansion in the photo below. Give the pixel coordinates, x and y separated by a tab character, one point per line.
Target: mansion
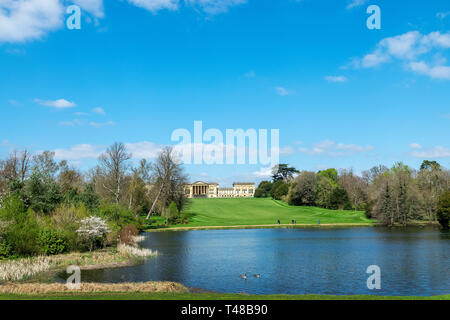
201	189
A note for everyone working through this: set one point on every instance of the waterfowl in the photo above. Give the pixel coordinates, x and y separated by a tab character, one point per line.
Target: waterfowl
257	275
244	276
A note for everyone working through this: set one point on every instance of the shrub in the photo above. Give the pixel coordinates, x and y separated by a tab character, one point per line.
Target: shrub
120	216
65	220
92	232
127	234
5	249
171	213
51	242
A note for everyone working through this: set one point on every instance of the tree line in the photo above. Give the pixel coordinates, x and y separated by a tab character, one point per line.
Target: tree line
396	195
47	206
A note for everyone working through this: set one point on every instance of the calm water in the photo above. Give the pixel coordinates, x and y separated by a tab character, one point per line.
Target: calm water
295	261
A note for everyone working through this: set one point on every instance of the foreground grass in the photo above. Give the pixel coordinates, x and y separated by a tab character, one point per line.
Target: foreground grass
260	212
202	296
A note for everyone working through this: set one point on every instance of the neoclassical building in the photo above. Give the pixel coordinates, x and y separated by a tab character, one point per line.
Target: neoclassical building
202	189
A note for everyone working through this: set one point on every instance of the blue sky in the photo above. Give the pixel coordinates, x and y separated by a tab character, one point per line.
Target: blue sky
341	95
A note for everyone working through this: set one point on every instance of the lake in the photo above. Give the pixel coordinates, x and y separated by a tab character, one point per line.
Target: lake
413	261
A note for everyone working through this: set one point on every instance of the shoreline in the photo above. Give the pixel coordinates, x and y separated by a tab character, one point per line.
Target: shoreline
291	226
263	226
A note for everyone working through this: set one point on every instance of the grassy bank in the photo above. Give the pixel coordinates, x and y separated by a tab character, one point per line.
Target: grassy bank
264	212
200	296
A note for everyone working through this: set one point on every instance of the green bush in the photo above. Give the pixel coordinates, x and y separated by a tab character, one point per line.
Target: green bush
119	216
5	249
51	242
23	230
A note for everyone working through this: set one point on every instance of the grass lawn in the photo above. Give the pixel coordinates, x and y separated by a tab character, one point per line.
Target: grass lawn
263	211
201	296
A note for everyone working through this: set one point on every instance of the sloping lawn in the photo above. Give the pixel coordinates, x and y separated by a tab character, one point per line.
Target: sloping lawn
257	211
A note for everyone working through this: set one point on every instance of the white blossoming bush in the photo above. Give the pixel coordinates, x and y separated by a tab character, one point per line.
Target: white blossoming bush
92	232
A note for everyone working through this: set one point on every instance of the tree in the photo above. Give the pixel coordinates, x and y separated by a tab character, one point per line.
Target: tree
283	172
45	164
275	186
355	187
443	212
331	174
339	199
302	192
168	181
113	168
138	192
281	191
16	167
386	207
40	193
263	190
430	165
172	213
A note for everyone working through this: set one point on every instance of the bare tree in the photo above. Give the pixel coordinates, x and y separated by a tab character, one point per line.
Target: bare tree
45	164
113	167
168	179
16	166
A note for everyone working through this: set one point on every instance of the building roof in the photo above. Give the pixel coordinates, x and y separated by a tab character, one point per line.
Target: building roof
244	183
202	182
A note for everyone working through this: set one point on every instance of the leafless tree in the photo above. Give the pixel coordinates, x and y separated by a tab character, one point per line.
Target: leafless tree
113	168
168	179
45	164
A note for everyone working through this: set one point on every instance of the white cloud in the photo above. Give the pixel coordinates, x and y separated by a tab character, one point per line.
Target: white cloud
250	74
282	91
336	78
143	150
432	153
100	111
356	3
331	148
156	5
407	48
24	20
215	6
78	152
101	124
435	72
73	123
58	104
94	7
415	146
286	151
139	150
264	172
79	114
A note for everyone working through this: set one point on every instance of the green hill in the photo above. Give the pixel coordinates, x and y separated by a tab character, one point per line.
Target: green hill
257	211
